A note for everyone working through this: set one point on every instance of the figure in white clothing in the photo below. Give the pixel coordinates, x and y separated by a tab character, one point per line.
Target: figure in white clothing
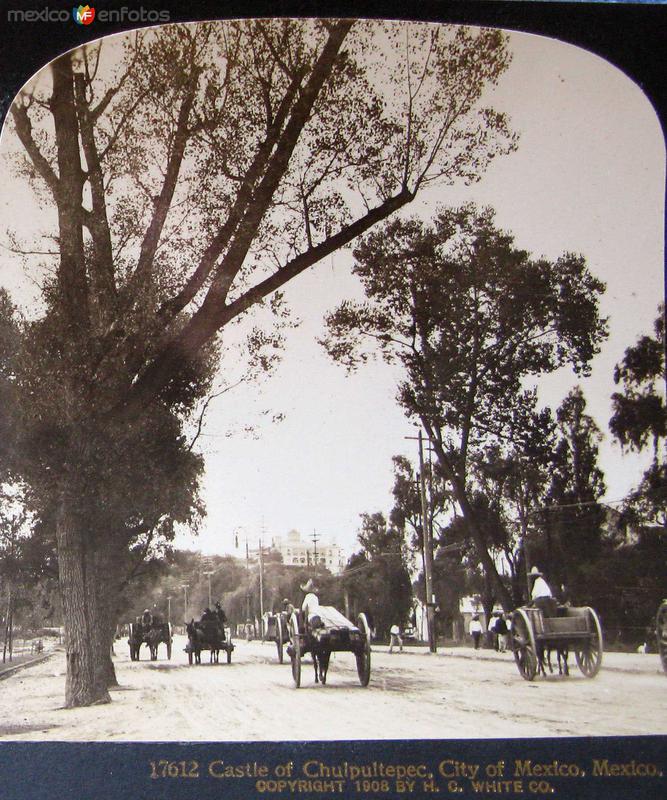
395	638
311	602
541	595
475	630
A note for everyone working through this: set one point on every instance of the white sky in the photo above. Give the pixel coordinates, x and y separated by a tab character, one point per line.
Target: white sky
588	177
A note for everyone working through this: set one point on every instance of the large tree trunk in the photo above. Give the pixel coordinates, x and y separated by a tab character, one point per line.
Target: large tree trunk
78	585
107	629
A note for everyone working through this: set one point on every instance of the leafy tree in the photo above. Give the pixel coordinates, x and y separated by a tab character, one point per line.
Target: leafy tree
377	578
470	317
574	519
639	420
407	510
192	178
514	475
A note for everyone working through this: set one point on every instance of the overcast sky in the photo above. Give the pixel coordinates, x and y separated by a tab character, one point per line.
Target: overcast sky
588	177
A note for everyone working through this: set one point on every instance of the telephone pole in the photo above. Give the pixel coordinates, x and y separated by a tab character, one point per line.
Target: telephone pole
314	539
427	545
428	552
184	586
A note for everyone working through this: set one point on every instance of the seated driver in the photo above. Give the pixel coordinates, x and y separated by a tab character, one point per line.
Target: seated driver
311	602
541	595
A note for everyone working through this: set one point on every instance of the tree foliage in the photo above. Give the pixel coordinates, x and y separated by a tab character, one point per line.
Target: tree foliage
573	537
470	317
377	577
193	175
639	420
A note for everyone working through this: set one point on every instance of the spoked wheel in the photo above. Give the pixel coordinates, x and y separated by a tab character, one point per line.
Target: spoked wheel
229	653
364	657
523	645
169	650
661	633
279	638
295	650
589	656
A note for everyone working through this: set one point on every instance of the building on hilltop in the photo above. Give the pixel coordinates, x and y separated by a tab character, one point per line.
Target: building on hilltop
304	553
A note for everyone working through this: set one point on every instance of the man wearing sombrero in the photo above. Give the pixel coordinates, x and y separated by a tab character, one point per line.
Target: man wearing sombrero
311	602
541	595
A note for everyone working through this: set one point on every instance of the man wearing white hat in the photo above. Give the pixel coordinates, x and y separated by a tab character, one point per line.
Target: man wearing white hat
541	594
311	601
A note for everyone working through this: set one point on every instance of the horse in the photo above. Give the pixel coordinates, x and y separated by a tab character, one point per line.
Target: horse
320	653
544	659
153	637
195	640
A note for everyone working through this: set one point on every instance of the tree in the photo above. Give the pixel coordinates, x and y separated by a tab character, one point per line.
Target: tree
407	510
639	420
573	521
377	577
513	475
192	178
470	317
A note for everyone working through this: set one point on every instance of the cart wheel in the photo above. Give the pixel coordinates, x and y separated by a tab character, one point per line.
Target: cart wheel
279	638
229	655
295	651
169	650
523	644
364	657
589	658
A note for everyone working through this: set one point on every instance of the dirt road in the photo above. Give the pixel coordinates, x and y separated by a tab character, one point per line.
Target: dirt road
454	694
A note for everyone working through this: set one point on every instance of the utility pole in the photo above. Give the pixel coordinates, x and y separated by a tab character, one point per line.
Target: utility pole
169	609
314	539
427	544
208	574
261	587
184	586
428	553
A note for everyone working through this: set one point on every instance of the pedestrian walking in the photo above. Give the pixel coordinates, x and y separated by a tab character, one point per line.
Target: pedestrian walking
502	632
493	630
475	630
395	638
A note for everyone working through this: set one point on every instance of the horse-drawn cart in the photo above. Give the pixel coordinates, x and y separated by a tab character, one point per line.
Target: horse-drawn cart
277	630
208	635
661	633
329	632
535	636
152	630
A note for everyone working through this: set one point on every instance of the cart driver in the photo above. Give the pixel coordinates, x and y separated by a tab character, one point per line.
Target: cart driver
220	613
311	601
541	595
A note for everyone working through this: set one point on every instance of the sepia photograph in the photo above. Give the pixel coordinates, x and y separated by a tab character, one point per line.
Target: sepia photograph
332	396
